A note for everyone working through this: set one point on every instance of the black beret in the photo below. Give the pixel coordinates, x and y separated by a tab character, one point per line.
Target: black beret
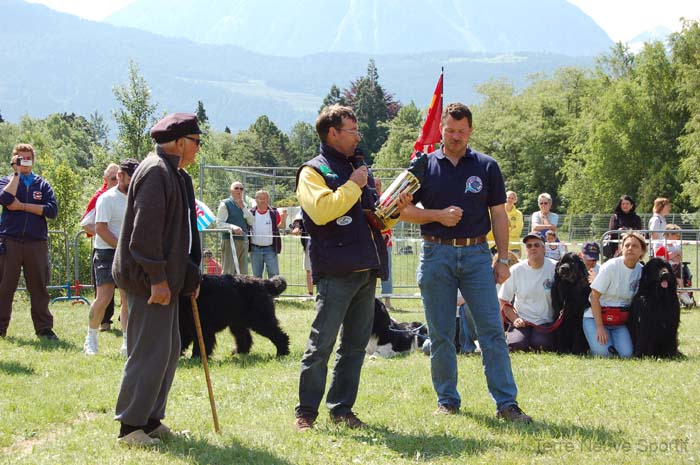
128	166
174	126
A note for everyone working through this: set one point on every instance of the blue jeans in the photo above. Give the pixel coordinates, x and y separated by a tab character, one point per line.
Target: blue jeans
618	339
442	269
467	330
346	300
264	256
388	285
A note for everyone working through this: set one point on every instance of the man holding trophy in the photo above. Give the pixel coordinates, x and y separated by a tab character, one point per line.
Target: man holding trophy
337	194
459	188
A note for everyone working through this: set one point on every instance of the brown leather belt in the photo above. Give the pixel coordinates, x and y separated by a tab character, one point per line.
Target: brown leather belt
457	242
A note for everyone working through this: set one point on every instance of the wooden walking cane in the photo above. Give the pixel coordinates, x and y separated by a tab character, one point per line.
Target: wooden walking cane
203	352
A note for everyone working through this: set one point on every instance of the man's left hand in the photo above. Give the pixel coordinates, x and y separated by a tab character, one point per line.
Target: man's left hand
501	273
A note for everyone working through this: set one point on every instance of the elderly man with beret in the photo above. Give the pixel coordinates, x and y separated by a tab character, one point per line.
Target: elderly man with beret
157	258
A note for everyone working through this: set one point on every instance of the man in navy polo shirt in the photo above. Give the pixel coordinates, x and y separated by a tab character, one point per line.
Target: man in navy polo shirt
463	195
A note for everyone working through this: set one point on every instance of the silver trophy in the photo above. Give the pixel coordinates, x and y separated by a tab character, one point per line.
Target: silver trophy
407	181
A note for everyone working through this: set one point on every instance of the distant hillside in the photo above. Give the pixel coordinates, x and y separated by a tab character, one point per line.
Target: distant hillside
302	27
56	62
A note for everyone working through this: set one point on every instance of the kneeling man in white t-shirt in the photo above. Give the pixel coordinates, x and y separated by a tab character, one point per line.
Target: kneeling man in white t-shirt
526	300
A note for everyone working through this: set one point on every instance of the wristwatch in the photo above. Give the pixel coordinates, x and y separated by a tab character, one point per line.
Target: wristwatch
503	261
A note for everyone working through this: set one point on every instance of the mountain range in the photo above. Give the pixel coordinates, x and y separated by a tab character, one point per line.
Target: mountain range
56	62
302	27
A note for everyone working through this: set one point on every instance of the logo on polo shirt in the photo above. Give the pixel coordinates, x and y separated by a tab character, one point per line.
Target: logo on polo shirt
36	195
474	185
343	221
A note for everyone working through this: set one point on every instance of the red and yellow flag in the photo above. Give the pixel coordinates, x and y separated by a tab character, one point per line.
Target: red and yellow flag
430	134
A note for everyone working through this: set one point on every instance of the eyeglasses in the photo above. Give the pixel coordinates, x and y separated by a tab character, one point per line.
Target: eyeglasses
544	203
237	189
352	131
196	141
536	245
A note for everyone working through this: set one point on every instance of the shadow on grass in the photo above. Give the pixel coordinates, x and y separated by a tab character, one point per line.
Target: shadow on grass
296	304
202	452
598	435
427	446
15	368
237	360
40	343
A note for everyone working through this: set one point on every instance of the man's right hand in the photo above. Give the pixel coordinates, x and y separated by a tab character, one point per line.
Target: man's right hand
359	176
236	230
450	216
239	203
160	294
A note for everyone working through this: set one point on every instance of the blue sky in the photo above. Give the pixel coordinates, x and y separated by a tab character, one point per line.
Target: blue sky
621	19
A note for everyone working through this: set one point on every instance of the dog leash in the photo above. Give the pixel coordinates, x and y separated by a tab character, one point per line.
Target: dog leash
543	328
412	330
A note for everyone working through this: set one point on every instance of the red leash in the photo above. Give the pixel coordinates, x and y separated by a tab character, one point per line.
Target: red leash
543	328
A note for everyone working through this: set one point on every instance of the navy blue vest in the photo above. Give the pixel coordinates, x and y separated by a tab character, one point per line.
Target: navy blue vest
348	243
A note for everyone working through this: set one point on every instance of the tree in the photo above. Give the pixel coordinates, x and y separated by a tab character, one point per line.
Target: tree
98	130
1	120
134	116
372	106
334	97
201	113
274	142
402	133
303	143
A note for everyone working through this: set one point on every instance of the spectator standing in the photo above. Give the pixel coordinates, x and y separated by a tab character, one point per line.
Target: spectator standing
515	222
460	191
544	220
233	214
87	222
657	222
265	240
157	259
624	217
27	200
109	215
212	266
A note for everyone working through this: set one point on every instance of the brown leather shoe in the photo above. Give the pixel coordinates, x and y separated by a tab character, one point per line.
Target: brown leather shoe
348	419
304	422
444	409
513	413
138	438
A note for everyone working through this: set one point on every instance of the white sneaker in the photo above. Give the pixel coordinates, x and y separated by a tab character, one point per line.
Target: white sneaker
686	299
90	345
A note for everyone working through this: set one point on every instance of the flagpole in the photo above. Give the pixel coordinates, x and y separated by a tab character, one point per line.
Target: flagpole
442	91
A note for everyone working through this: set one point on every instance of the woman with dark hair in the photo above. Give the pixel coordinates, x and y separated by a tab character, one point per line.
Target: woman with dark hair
623	217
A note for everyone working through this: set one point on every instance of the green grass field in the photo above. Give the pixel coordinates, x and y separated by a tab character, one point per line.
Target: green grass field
57	405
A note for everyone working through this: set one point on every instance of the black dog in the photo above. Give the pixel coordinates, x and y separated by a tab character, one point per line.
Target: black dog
655	313
390	337
570	293
239	303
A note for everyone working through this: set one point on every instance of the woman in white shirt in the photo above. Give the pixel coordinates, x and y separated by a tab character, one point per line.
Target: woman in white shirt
544	220
611	295
657	222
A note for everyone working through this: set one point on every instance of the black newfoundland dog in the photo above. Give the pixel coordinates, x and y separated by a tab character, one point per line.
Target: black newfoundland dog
239	303
570	293
655	312
390	337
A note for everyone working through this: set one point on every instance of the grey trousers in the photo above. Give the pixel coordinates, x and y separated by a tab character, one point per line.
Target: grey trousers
227	265
153	344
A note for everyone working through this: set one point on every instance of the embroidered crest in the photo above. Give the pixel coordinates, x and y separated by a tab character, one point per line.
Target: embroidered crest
327	171
474	185
36	195
343	221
